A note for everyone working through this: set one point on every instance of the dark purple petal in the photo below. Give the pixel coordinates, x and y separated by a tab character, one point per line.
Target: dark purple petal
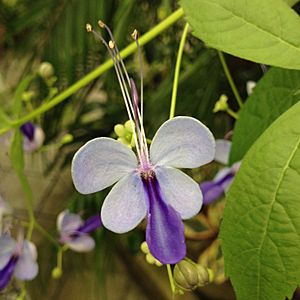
7	272
165	230
211	191
28	130
90	224
225	181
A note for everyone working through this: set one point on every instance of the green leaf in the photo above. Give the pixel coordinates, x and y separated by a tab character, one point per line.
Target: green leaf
260	231
291	2
16	151
266	31
276	92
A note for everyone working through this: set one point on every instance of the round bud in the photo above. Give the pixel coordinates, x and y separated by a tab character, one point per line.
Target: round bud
56	273
158	263
203	275
67	138
46	70
123	141
150	259
144	247
120	130
186	275
129	125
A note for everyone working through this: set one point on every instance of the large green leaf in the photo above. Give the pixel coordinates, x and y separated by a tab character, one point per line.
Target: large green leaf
266	31
260	231
274	94
291	2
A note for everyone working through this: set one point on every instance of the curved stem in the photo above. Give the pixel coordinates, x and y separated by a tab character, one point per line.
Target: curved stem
232	113
177	70
45	233
230	79
147	37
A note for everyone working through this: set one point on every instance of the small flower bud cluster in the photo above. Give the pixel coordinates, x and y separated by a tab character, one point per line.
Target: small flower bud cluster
188	275
46	72
221	104
125	134
149	257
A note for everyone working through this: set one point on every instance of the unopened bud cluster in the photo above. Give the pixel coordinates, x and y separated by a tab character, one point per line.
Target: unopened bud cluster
149	257
188	275
221	104
125	133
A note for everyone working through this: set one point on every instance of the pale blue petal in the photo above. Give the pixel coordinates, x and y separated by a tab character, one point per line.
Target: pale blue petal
68	222
82	243
180	191
182	142
27	267
7	247
100	163
125	206
222	151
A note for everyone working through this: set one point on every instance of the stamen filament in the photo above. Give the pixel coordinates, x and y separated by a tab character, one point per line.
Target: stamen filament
131	103
123	87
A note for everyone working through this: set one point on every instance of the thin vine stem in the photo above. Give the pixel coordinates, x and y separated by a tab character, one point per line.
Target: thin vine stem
230	79
232	113
177	71
46	234
130	49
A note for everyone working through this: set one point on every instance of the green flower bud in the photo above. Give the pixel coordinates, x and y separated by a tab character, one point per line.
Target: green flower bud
46	70
150	259
186	275
120	130
67	138
158	263
189	275
221	104
203	275
128	125
27	96
144	247
124	141
56	273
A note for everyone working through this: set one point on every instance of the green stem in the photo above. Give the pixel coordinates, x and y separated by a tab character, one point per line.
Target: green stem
232	113
177	71
23	292
29	204
44	232
59	258
147	37
171	278
230	79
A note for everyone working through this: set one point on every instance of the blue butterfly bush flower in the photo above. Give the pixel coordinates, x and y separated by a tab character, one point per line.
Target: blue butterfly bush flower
74	232
17	258
214	189
148	183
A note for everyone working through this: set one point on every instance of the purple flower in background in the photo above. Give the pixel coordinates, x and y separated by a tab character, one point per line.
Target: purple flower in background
147	184
34	137
74	231
17	258
212	190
